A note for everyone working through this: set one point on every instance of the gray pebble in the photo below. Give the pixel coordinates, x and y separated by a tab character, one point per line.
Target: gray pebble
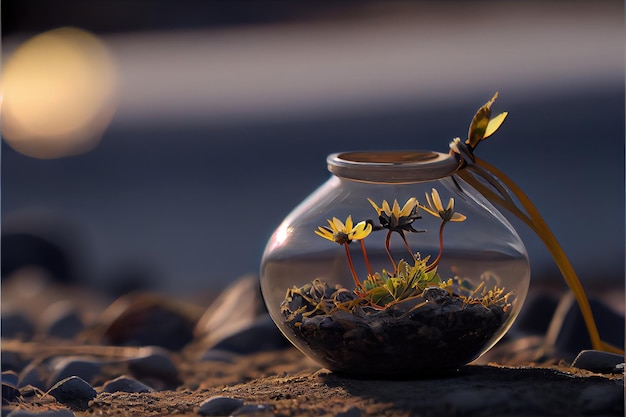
66	366
10	377
29	391
148	320
434	293
261	335
9	393
125	384
219	406
74	392
18	412
156	363
598	361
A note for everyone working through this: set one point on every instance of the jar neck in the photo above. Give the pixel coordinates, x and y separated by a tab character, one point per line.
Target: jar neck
392	167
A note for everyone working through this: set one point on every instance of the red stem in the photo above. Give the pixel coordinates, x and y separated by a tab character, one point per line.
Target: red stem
367	261
389	252
406	243
434	264
356	279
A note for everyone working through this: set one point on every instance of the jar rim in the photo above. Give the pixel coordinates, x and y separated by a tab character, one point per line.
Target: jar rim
400	166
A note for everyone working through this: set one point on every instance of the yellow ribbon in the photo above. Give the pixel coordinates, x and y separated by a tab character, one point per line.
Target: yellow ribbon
471	169
535	222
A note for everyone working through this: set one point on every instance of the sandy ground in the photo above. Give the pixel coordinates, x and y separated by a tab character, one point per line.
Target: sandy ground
285	383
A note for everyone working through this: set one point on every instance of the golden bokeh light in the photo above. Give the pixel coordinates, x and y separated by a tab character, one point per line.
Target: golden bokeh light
59	93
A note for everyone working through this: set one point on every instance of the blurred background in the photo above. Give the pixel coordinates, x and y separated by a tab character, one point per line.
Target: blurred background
157	144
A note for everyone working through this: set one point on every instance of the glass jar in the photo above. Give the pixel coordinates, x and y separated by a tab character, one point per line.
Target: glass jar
394	267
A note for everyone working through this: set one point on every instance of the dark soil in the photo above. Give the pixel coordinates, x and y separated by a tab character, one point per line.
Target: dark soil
427	335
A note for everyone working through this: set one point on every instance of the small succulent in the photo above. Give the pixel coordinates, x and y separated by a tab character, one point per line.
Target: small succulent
382	289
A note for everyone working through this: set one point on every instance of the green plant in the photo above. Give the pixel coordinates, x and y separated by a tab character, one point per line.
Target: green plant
382	289
407	278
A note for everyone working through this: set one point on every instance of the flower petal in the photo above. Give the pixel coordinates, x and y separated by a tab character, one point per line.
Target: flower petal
458	217
450	204
430	203
408	207
437	200
348	226
338	225
325	233
395	211
378	209
361	231
386	208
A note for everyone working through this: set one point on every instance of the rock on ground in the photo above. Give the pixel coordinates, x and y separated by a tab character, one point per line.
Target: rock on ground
290	385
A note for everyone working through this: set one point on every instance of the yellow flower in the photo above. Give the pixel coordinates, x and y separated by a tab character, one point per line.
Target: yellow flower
342	234
394	218
436	208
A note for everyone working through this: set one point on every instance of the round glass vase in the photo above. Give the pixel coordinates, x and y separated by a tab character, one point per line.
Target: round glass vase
413	291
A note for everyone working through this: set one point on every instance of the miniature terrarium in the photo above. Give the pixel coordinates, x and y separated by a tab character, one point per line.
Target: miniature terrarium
394	267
